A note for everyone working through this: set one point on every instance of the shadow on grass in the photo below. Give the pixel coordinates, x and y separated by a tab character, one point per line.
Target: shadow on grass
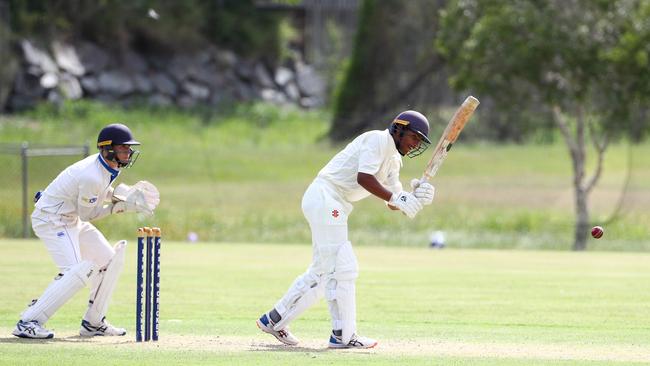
295	349
55	340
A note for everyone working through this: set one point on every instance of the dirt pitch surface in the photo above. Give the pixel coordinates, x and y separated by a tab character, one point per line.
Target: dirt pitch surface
389	347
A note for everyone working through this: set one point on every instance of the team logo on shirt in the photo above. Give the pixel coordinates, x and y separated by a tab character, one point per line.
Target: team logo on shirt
89	200
60	234
335	213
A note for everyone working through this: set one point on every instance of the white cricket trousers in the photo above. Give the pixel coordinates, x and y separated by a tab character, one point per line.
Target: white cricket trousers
71	244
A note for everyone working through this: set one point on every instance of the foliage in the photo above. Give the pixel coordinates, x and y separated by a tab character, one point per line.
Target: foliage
526	53
236	25
389	70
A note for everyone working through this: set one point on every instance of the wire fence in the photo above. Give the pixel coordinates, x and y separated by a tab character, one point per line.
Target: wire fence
26	169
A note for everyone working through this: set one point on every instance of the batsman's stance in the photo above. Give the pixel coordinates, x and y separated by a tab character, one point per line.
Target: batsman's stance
368	165
79	194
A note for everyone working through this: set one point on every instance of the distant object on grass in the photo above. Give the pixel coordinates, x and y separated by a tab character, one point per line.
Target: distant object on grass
192	237
437	240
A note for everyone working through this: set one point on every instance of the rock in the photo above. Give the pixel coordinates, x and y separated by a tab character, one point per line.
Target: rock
244	70
49	80
134	63
283	75
164	84
309	82
263	77
67	59
195	90
93	58
142	83
291	89
90	84
159	100
115	82
70	87
185	101
225	58
38	57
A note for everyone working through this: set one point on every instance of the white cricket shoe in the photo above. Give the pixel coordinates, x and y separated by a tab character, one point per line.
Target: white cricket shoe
102	329
31	329
355	342
283	335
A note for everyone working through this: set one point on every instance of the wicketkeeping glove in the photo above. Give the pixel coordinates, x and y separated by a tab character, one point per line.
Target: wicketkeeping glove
423	191
141	197
406	202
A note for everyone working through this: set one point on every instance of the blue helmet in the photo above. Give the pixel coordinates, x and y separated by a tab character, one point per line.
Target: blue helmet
117	134
413	121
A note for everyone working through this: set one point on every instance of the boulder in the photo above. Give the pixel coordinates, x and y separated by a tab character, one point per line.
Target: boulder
67	59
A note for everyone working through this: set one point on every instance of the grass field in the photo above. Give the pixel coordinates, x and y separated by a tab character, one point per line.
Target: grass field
442	307
240	176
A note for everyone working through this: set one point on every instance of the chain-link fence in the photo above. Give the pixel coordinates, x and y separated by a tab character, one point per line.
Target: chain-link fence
27	169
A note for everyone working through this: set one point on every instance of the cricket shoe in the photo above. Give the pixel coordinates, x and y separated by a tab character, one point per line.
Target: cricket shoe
283	335
31	329
355	342
102	329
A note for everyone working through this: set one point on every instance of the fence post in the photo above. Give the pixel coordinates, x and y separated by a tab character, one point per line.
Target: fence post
23	154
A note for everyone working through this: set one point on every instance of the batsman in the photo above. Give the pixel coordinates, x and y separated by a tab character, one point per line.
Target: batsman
82	193
369	165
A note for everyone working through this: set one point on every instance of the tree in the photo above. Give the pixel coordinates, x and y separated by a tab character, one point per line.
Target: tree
583	60
392	67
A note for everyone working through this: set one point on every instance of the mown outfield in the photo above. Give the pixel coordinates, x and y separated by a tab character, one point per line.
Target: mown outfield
455	307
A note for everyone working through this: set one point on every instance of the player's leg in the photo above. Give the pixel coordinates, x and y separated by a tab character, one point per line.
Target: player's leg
62	244
305	290
341	299
109	260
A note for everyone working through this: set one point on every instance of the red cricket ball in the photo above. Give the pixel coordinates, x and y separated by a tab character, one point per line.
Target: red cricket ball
597	232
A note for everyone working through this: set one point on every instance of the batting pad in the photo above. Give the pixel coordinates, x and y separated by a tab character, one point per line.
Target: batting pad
59	292
304	292
341	292
98	305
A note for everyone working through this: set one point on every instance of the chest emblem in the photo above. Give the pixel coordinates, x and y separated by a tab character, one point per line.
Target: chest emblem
335	213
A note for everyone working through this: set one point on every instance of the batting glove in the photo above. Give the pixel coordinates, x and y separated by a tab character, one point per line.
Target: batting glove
406	202
423	191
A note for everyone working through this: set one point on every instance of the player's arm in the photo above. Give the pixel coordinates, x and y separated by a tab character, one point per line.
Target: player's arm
372	185
403	201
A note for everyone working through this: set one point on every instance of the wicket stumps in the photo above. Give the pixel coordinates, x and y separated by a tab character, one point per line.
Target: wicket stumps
148	284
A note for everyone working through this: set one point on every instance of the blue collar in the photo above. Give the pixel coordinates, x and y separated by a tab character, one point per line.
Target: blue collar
114	173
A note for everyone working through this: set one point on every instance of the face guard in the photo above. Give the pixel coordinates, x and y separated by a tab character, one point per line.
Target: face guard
415	122
113	135
111	155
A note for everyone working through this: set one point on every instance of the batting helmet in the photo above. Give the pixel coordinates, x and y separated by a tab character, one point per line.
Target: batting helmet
117	134
413	121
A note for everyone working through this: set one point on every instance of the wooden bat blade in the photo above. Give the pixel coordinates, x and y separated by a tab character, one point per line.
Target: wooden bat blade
449	136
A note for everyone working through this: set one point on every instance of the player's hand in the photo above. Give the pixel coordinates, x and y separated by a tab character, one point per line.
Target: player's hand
423	191
142	197
406	202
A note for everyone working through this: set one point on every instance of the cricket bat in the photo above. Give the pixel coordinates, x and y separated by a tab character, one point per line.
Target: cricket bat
449	136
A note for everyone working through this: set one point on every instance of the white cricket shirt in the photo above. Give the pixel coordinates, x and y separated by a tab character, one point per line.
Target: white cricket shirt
372	152
77	191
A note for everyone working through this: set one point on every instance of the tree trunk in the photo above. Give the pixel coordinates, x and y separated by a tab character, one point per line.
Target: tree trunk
582	220
582	186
